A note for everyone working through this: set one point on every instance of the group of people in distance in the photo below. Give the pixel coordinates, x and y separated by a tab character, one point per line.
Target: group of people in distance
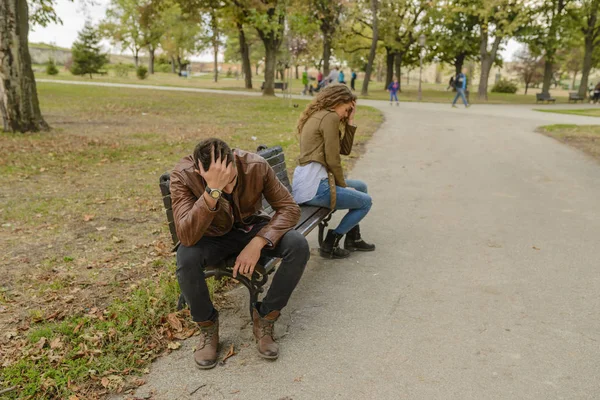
336	75
216	192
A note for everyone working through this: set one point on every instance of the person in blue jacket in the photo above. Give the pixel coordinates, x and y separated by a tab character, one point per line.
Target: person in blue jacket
393	89
460	83
341	78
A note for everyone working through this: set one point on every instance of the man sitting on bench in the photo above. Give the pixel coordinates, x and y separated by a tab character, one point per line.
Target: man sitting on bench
216	195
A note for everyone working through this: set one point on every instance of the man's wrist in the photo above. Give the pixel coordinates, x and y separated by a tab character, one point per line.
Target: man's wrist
259	241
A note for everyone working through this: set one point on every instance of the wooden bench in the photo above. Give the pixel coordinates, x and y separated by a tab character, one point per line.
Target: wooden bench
575	97
544	98
310	218
277	85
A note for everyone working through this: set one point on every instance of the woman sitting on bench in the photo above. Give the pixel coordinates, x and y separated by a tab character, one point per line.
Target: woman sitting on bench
319	179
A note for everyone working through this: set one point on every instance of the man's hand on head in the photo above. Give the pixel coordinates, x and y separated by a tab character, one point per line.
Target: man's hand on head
219	174
248	258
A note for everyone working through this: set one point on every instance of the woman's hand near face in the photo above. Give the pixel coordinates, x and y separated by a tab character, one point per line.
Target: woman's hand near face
351	116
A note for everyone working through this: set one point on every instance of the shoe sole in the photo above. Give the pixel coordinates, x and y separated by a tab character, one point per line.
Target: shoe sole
268	357
357	249
205	366
332	257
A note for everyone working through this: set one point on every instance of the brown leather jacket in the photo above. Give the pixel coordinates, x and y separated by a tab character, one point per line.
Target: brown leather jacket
193	219
321	141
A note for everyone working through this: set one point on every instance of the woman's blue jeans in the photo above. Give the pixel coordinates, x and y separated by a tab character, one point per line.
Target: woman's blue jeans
357	201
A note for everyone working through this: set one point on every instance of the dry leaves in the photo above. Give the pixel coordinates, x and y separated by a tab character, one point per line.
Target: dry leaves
174	322
88	217
229	354
174	345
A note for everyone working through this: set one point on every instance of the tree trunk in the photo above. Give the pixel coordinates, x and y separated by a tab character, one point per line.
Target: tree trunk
574	79
297	76
389	66
326	53
487	59
398	65
136	58
459	62
400	78
369	69
18	93
547	76
486	65
270	54
179	66
587	66
245	54
526	87
216	63
151	59
173	65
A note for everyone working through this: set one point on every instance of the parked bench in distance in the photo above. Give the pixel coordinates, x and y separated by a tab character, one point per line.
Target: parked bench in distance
544	98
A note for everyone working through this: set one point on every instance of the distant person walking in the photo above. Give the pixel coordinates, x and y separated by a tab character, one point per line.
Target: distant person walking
305	81
333	75
460	83
352	80
341	78
393	89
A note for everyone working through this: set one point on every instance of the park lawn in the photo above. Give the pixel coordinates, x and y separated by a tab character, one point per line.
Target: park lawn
587	112
432	93
582	137
88	293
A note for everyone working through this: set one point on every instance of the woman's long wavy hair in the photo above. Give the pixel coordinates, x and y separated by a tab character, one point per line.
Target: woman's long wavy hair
328	98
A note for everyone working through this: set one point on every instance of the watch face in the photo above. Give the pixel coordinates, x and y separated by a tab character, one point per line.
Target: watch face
215	194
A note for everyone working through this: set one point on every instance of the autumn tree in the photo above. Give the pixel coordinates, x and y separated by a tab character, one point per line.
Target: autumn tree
373	18
122	26
548	33
589	26
528	66
19	105
497	20
327	13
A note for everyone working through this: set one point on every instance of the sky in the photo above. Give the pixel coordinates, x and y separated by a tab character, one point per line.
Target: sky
74	15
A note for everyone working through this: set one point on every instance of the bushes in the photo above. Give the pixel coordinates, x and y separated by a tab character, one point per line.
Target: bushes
51	67
141	72
162	68
504	86
122	70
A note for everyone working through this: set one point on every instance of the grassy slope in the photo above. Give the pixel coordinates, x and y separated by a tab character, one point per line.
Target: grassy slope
87	271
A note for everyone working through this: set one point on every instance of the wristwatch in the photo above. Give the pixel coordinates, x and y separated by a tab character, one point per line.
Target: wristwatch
214	193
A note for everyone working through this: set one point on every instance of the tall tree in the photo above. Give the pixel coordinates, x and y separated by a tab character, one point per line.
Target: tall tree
548	34
453	33
498	20
182	33
374	11
327	13
268	18
122	26
19	104
152	28
590	27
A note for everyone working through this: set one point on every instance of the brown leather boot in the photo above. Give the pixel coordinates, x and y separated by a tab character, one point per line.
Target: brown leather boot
206	350
263	333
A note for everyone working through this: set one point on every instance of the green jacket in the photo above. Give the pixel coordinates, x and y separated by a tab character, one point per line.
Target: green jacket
305	78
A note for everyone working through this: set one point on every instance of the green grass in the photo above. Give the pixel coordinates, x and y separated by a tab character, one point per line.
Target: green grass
583	137
102	161
432	93
588	112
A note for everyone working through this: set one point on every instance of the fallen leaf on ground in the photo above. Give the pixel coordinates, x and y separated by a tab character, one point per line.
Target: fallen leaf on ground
174	322
88	217
41	343
230	353
117	239
174	345
184	334
56	343
73	398
78	327
101	228
536	248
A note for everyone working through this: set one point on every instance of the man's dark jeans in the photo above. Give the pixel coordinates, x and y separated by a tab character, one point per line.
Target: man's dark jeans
191	261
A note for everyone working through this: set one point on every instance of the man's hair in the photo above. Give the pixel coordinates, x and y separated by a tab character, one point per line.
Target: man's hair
203	149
